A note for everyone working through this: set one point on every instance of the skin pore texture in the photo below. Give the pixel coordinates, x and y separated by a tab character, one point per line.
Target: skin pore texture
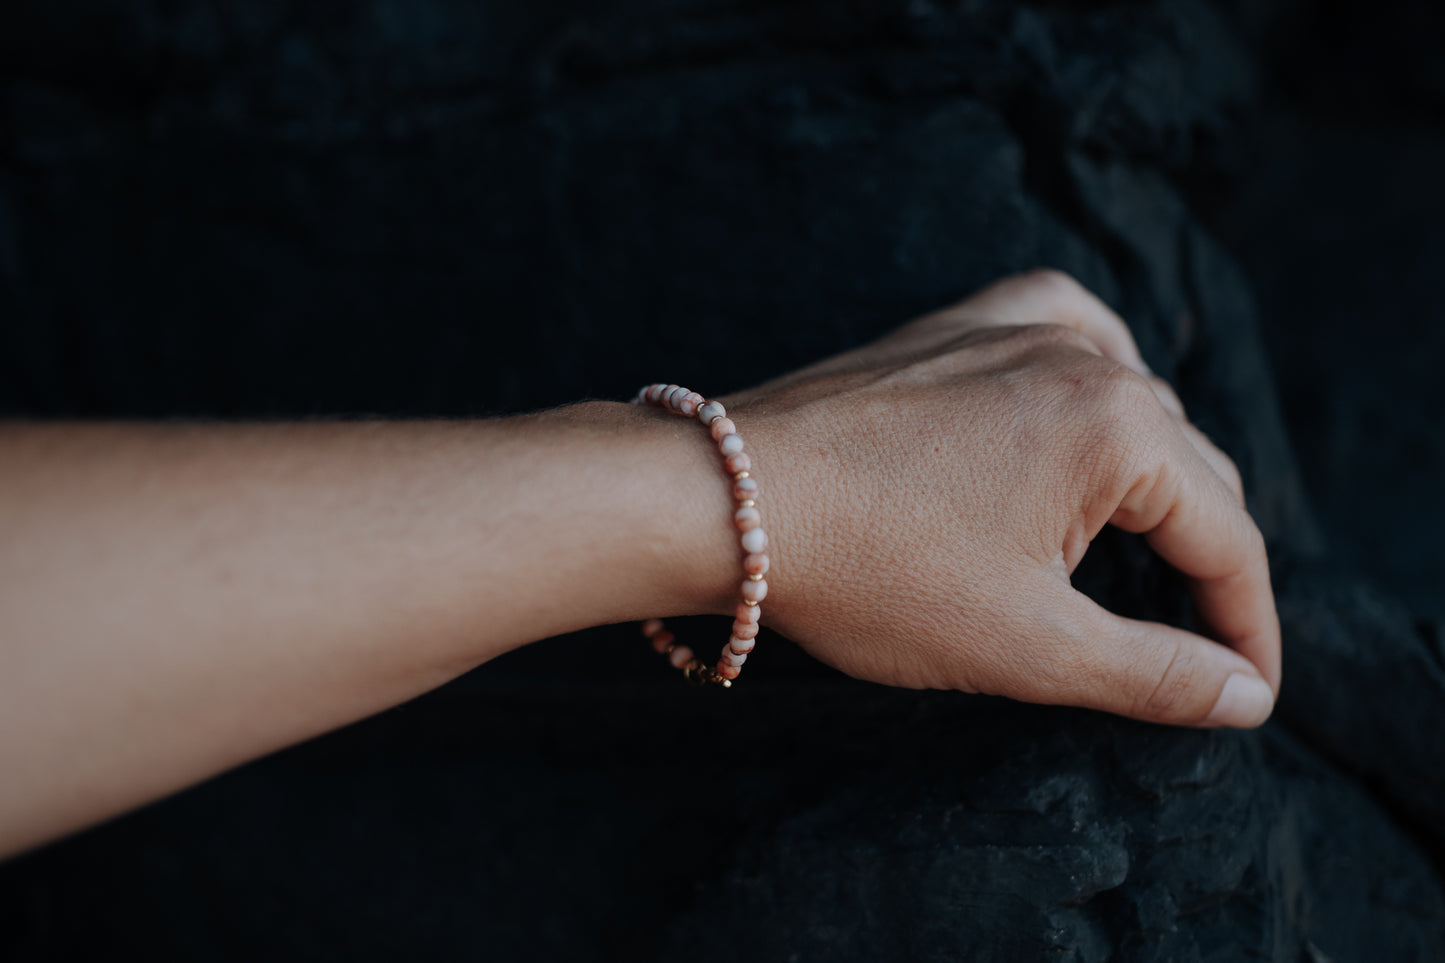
178	599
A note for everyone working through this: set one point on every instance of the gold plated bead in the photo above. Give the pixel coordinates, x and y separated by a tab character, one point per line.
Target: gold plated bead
747	503
749	603
741	475
755	578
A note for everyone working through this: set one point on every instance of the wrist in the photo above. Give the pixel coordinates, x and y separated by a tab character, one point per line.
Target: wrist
746	519
657	478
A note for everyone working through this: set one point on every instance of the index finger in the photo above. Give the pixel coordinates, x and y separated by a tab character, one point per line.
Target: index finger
1192	519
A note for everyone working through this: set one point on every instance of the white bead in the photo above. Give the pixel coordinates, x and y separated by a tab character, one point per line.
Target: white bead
710	411
730	445
680	657
729	657
755	541
741	646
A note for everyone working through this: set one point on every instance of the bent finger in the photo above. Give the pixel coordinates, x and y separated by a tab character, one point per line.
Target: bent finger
1198	525
1215	457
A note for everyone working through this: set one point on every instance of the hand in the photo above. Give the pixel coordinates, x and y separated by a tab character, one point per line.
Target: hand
929	496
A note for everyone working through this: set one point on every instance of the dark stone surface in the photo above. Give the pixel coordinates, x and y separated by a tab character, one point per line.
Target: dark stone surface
239	210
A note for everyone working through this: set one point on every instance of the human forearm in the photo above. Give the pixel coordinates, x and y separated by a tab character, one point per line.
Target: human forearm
175	600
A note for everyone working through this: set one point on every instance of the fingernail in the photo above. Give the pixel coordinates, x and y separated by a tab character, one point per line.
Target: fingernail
1245	702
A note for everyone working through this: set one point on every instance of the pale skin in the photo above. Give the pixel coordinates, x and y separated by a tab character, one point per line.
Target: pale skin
178	599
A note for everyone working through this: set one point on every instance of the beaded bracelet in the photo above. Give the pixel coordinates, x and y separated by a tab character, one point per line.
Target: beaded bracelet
746	519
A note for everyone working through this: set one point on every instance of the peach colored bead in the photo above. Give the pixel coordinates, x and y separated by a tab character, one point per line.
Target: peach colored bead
722	428
711	410
747	519
745	630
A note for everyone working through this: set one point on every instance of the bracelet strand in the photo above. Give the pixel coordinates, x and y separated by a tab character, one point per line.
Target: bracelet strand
746	519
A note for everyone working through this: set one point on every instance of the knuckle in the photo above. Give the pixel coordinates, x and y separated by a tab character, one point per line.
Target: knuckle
1125	394
1121	409
1122	434
1050	280
1255	548
1176	695
1232	477
1166	394
1031	338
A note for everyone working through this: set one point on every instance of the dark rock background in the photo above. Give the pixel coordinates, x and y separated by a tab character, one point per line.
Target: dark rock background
246	210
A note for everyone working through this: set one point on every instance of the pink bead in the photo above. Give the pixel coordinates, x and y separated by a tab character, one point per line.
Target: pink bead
728	671
680	657
660	642
745	488
747	613
729	657
739	462
747	519
730	445
674	395
740	644
755	541
688	405
722	428
651	627
755	591
745	630
654	393
711	410
756	564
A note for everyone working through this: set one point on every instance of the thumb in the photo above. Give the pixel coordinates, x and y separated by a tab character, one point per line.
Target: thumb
1156	673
